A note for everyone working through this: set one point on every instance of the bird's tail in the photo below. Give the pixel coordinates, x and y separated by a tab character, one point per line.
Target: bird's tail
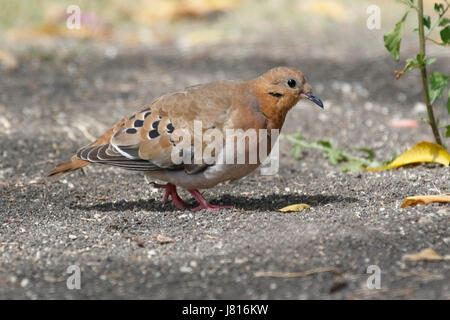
74	164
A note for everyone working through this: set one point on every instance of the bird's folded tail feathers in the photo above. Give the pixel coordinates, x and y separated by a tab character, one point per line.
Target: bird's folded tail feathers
74	164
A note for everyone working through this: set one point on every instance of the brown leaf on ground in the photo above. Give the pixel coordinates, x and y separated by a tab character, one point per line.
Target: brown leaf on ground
163	239
424	200
301	274
427	255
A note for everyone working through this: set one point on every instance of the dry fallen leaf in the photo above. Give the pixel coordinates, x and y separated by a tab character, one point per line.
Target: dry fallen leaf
152	11
422	152
428	255
412	201
327	8
295	208
58	31
54	25
163	239
287	275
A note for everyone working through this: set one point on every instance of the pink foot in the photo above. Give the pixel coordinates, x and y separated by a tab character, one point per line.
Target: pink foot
171	190
204	204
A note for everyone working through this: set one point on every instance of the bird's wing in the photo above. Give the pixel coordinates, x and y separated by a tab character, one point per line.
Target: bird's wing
144	140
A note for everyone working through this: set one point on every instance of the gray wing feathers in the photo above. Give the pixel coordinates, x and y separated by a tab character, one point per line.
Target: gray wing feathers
105	154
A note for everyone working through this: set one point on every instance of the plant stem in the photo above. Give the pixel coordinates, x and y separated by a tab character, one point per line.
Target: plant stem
423	71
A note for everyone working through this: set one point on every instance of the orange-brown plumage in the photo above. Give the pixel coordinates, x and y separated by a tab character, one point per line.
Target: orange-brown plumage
145	139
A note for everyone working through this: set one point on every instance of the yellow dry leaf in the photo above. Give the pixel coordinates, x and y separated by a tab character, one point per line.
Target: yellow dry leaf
412	201
149	12
54	30
428	255
327	8
422	152
295	208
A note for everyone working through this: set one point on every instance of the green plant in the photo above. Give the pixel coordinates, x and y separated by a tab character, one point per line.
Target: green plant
435	84
336	156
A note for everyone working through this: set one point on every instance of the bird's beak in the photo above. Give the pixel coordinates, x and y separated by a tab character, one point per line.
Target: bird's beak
313	98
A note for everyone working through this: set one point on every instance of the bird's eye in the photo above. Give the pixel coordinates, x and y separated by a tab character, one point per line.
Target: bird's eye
291	83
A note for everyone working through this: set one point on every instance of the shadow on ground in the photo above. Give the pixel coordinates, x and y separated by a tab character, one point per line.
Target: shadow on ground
239	202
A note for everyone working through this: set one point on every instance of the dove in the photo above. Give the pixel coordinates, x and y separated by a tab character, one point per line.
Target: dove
161	139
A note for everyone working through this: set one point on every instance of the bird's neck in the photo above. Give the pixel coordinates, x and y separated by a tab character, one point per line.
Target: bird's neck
268	105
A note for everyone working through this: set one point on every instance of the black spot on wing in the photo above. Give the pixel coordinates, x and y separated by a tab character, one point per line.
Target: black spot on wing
153	134
170	128
132	117
138	123
147	114
131	131
155	124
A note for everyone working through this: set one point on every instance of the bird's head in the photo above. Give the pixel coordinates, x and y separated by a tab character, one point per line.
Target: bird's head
279	89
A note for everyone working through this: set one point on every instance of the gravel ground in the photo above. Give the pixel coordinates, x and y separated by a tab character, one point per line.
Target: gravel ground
107	221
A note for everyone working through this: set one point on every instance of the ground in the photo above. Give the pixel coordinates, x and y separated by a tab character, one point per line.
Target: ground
108	221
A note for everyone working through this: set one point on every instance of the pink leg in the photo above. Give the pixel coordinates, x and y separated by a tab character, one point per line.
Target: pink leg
204	204
171	190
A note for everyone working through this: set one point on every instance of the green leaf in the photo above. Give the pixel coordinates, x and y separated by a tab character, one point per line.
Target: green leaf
324	143
411	63
420	58
445	34
438	7
393	39
417	62
444	22
430	61
447	132
438	82
427	21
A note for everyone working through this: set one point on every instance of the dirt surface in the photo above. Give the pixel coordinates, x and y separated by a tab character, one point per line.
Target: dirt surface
107	220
